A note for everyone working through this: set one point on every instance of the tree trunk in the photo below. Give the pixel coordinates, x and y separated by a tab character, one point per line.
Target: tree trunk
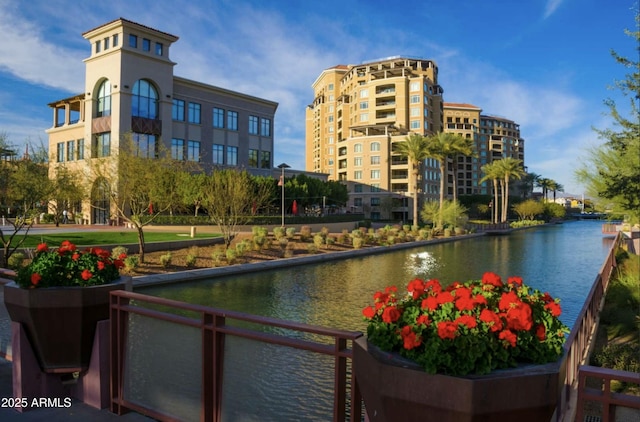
496	198
442	176
140	242
505	200
415	197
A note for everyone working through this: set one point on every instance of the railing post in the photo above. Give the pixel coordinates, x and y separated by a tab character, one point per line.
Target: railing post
118	329
212	367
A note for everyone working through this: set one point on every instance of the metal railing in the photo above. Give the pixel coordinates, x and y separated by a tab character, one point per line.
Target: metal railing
213	327
580	341
606	397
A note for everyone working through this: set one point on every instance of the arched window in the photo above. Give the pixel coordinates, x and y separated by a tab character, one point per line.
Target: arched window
144	102
375	146
104	99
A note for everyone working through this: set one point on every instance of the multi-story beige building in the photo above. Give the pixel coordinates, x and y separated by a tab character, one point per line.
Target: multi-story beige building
493	137
357	113
130	89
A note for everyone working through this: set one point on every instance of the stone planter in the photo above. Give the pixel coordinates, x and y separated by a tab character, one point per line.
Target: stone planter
60	322
398	390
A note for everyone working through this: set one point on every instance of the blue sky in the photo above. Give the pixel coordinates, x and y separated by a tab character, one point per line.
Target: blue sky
544	63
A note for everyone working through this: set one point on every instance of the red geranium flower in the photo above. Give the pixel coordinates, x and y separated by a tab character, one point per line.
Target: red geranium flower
86	275
42	247
492	279
423	320
430	303
390	314
35	278
519	318
467	320
447	330
409	338
541	332
509	337
554	308
416	287
100	265
491	319
368	312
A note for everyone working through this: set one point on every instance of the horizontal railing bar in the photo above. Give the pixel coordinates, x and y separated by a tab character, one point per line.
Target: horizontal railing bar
327	349
240	316
147	411
619	399
610	374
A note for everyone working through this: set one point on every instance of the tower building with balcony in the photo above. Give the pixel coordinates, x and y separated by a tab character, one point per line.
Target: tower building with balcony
358	112
130	90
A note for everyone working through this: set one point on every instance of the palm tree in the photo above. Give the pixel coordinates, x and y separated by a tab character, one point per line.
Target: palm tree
461	147
527	183
415	148
510	168
556	187
545	184
441	148
493	172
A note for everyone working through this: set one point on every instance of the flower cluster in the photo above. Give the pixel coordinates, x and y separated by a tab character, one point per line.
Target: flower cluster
68	266
467	328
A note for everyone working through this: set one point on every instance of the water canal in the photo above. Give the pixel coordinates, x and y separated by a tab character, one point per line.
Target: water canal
286	384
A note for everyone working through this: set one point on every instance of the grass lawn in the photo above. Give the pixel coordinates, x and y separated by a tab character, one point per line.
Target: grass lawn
107	238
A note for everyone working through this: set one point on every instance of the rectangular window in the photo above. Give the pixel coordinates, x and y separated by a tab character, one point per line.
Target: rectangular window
253	158
159	48
177	111
364	105
71	149
357	188
193	151
80	149
253	125
414	86
218	117
357	161
357	202
145	145
146	44
375	201
133	41
115	40
232	156
232	121
415	124
357	175
375	174
375	187
415	112
194	113
375	159
218	154
177	149
102	145
415	99
98	44
265	159
265	129
60	155
106	43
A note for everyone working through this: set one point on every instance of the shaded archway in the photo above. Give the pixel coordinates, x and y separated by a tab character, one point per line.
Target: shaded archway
100	203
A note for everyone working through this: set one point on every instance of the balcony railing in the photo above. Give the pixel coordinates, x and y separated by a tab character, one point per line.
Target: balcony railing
213	327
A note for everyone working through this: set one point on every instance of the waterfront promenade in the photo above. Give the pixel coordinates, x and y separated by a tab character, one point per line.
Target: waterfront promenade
77	411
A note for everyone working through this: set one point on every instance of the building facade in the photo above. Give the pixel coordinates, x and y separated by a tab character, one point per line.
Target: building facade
357	114
131	90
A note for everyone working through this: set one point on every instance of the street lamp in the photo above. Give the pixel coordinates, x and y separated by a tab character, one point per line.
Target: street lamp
281	183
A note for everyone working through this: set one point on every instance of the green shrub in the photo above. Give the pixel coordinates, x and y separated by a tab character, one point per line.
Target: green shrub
291	232
131	262
16	260
165	260
216	257
312	247
305	233
192	256
279	232
118	251
242	247
231	255
358	242
318	240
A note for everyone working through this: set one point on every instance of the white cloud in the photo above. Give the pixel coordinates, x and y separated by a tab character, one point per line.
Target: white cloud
551	7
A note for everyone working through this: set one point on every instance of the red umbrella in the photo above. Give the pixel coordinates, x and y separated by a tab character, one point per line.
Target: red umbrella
294	207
